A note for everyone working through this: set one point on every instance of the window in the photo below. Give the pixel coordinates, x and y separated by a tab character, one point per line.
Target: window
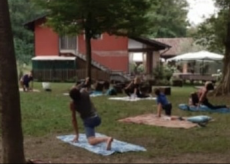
96	37
68	43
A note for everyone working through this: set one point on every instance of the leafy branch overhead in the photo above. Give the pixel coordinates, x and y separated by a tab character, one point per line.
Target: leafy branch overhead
123	17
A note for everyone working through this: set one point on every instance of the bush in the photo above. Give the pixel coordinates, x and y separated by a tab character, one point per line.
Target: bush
162	73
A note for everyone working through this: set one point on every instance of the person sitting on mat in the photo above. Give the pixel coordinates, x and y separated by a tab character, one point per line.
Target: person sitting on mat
81	103
25	80
133	88
203	97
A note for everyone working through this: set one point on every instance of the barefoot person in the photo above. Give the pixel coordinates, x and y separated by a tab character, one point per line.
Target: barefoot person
82	104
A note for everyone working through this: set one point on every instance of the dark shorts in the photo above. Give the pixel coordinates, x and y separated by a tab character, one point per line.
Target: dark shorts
90	124
168	109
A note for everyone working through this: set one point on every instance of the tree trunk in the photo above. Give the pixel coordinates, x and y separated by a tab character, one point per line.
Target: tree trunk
12	136
224	87
88	53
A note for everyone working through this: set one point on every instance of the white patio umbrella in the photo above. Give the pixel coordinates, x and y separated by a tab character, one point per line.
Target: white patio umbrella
201	55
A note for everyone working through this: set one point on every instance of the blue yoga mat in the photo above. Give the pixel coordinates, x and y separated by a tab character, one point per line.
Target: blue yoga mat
117	146
202	108
199	119
96	93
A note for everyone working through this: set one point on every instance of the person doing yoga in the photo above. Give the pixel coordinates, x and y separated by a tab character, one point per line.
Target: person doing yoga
133	88
203	97
85	85
162	103
82	104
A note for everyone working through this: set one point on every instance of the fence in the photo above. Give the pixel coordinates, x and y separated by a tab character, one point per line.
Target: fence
204	78
67	75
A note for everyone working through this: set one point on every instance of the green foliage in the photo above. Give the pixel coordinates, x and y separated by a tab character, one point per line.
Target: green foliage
162	74
209	34
23	38
24	51
141	68
123	17
168	18
222	4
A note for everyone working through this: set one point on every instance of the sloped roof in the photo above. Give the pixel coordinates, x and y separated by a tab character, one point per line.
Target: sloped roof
30	24
151	42
178	45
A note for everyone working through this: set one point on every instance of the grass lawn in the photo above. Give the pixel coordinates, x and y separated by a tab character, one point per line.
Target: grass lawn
46	115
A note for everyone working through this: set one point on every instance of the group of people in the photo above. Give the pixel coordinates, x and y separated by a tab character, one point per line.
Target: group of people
82	104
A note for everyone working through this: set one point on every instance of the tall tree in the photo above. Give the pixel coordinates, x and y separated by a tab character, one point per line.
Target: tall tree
224	86
12	137
215	34
208	33
93	17
168	18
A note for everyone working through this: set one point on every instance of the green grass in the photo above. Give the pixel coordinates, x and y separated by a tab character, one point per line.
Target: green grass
48	113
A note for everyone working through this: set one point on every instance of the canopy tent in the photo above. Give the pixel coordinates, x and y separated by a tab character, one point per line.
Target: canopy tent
201	55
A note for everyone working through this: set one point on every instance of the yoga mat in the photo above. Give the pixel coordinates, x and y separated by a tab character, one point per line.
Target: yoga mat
33	90
94	94
163	121
117	146
131	99
202	108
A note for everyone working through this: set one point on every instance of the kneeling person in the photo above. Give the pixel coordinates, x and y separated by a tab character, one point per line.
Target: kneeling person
82	104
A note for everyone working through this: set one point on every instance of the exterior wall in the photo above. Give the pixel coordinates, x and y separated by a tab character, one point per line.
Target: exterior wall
96	73
156	58
134	44
116	61
46	40
107	43
109	51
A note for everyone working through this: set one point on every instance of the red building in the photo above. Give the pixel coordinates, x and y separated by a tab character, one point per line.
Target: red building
109	53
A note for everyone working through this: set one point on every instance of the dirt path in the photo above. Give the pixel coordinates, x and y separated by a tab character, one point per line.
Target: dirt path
50	149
